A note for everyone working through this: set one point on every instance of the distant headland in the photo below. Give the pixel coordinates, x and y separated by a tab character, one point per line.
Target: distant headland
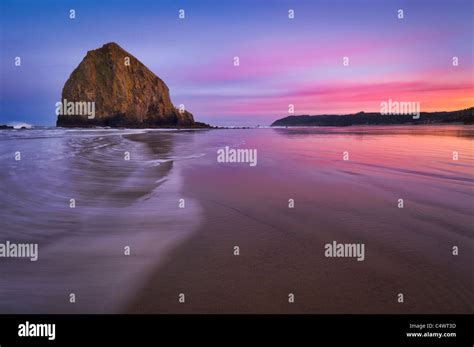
465	116
111	87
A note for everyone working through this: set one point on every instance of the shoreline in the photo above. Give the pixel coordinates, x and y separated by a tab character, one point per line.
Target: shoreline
191	250
281	250
41	127
231	127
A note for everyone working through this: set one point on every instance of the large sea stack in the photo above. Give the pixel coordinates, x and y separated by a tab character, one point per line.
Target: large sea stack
125	93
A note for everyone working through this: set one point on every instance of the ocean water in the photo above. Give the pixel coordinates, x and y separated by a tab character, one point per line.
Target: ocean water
118	203
135	203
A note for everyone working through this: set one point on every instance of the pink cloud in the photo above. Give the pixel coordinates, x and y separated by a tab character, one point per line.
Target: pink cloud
348	99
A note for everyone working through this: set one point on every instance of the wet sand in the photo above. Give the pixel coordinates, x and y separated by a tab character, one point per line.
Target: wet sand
191	250
282	250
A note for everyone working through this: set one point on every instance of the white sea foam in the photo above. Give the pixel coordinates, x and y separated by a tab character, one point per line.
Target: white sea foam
19	125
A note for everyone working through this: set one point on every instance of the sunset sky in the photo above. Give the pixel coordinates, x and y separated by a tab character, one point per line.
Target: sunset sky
282	61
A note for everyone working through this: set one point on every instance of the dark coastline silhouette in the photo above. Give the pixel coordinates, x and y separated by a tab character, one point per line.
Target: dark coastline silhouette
362	118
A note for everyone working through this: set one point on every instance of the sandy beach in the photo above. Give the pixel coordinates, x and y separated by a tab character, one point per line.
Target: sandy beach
282	250
182	212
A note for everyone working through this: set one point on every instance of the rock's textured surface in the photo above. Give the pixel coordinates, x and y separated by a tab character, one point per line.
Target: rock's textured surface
126	93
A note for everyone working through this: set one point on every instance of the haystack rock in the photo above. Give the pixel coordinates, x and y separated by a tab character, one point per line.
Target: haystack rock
121	92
